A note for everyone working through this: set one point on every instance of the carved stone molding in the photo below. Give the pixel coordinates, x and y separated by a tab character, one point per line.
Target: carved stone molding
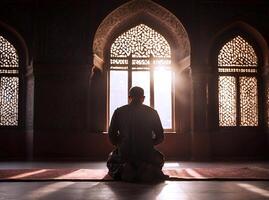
98	62
135	9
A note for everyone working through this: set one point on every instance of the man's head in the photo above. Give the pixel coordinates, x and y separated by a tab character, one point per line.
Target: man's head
136	95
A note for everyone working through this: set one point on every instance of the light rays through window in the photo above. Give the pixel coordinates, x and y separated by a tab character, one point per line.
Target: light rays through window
142	57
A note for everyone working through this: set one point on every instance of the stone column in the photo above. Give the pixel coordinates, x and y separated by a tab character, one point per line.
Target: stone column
97	97
265	121
29	114
200	140
183	88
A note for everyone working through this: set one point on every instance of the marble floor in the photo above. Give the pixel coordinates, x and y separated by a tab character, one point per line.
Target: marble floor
200	190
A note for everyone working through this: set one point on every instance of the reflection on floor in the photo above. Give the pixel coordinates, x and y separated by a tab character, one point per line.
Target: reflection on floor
199	190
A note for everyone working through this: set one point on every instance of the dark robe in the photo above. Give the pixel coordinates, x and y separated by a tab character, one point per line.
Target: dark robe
134	130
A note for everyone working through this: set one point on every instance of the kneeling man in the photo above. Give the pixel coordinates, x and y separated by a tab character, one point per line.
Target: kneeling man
134	130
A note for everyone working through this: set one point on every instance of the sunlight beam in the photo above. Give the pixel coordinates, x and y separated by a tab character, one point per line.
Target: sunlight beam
163	96
254	189
193	173
28	174
47	190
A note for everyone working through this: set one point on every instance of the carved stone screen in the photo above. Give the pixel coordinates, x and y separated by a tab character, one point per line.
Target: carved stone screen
248	101
140	53
238	85
141	41
9	84
227	101
237	53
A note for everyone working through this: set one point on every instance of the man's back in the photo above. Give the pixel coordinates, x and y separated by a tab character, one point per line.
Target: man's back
135	129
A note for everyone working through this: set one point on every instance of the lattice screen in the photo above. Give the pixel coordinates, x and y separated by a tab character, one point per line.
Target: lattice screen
248	101
238	92
237	52
9	84
227	101
140	41
9	87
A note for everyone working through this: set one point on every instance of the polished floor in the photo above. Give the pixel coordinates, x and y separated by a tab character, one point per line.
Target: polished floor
181	190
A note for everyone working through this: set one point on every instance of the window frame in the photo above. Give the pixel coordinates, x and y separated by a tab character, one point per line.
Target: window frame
237	75
150	67
25	74
20	89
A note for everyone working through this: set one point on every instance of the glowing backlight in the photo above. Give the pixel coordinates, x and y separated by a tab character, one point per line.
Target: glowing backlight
227	101
142	57
142	79
118	90
163	96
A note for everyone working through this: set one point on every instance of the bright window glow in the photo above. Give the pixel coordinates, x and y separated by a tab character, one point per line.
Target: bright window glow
138	52
227	101
141	41
248	101
142	79
163	96
238	90
237	53
118	90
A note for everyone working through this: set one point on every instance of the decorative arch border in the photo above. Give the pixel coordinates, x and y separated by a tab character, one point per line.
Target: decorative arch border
139	11
17	41
254	37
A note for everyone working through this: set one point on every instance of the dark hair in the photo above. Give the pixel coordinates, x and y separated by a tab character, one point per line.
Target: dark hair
136	92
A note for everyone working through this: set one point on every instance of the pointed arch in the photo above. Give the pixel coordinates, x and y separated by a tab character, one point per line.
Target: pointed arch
253	36
25	76
17	41
237	52
148	12
239	57
142	57
157	18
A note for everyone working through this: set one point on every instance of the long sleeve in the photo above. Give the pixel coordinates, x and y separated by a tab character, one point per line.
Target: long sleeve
157	129
113	131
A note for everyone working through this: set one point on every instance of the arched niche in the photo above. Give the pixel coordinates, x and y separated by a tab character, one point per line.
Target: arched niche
18	42
241	28
257	41
150	13
129	15
26	88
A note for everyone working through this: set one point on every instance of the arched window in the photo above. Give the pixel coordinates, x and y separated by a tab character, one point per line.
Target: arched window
238	84
142	57
9	84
